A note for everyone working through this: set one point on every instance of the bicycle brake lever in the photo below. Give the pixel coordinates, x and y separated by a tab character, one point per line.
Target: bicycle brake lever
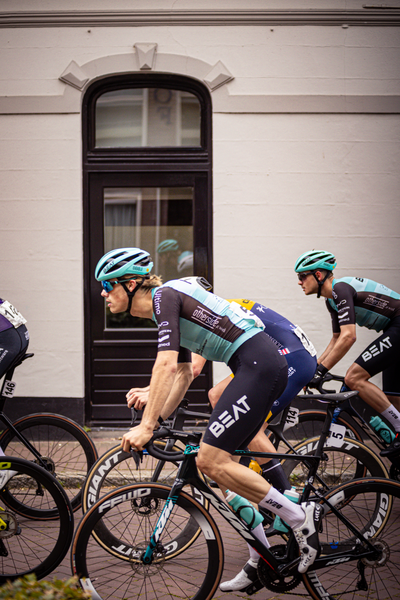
137	456
133	415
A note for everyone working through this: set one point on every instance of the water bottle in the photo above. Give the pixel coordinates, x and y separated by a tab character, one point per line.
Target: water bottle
244	509
280	525
384	431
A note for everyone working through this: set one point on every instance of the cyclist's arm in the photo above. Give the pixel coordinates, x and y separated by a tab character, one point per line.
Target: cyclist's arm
329	348
342	344
162	380
182	381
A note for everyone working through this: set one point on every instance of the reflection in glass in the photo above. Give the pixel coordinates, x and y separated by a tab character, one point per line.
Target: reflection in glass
159	220
151	117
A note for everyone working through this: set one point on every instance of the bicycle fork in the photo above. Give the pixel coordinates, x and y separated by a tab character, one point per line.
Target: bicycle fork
147	557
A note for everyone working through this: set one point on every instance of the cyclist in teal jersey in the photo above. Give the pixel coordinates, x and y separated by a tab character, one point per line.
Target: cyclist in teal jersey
191	319
355	301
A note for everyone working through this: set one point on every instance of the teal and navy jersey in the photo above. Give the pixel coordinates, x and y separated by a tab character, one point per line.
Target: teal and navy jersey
190	317
362	301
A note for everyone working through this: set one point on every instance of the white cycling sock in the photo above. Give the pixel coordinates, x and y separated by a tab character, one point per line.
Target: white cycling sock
290	512
259	533
392	415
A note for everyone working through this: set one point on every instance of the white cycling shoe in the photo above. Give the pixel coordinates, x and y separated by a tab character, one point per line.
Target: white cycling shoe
241	582
307	535
5	477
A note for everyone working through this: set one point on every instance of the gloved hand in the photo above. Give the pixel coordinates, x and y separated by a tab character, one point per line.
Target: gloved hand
318	376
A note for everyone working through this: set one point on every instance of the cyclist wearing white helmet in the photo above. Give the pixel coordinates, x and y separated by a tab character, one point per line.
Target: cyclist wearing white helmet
351	301
192	319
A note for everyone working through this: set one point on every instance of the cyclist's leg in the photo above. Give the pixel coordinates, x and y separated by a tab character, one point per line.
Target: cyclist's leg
391	383
382	353
13	344
260	377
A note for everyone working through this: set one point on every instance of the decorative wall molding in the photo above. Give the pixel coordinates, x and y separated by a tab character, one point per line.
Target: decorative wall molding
215	77
369	16
146	55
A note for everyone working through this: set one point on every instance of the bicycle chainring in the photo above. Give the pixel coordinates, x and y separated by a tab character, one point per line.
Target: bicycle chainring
271	580
394	472
48	462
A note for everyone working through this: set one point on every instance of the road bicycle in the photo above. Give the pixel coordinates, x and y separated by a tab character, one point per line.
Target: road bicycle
29	542
348	459
52	441
359	537
304	424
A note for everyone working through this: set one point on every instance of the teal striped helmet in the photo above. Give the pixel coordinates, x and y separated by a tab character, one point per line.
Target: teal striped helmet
167	246
123	261
314	260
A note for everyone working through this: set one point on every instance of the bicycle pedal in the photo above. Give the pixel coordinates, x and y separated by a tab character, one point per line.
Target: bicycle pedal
253	588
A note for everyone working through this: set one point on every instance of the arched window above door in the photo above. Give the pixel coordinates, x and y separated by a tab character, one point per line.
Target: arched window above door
132	117
152	113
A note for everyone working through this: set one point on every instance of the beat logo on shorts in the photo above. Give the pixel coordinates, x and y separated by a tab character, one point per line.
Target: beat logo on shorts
374	350
226	419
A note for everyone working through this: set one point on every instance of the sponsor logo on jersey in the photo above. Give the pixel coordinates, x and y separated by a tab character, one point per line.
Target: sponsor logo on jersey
206	317
228	418
378	302
291	371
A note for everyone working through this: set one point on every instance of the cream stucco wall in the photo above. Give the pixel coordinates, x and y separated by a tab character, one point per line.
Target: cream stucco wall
295	166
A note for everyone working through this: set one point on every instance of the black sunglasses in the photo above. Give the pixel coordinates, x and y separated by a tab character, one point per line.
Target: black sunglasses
303	276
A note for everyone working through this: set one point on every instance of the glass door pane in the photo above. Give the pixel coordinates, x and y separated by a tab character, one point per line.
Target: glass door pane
157	219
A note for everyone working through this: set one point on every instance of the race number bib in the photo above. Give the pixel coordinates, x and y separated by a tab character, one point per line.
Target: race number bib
305	340
336	435
292	418
11	314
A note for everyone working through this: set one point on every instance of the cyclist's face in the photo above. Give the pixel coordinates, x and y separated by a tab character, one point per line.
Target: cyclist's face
117	299
308	283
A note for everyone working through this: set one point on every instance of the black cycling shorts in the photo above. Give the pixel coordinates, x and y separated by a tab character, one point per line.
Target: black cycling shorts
260	378
383	355
13	345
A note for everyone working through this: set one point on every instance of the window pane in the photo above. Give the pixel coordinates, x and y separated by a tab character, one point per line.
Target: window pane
159	220
147	117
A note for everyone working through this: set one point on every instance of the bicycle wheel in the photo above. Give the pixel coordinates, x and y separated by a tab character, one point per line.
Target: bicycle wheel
350	461
373	506
64	446
29	544
116	468
310	425
132	513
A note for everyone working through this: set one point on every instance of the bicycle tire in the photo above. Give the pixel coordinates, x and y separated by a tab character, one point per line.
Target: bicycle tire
31	545
132	512
66	448
350	461
373	506
116	468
